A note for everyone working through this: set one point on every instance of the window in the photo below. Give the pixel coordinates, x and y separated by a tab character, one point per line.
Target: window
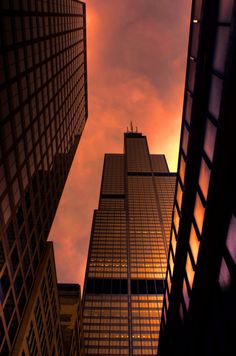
210	137
204	178
185	294
195	39
231	238
188	108
194	243
189	270
185	139
221	46
191	75
182	169
224	276
215	96
225	10
199	213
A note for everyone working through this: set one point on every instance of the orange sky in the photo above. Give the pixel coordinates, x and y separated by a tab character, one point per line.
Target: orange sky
136	70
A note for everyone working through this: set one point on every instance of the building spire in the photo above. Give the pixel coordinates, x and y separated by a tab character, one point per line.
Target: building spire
131	127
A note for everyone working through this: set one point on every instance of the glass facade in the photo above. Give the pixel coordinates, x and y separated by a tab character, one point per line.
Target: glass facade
43	110
198	314
129	242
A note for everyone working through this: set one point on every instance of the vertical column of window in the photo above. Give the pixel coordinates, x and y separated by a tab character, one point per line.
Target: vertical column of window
214	105
228	260
187	113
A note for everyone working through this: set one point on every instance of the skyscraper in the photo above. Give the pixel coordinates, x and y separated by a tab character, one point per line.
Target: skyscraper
199	309
126	266
43	110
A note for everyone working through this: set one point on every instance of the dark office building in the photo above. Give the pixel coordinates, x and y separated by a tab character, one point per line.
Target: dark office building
71	319
126	266
43	110
199	308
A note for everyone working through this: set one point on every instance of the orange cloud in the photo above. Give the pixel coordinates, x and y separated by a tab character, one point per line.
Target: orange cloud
136	69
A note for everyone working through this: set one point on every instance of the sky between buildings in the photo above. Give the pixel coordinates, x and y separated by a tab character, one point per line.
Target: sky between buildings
136	71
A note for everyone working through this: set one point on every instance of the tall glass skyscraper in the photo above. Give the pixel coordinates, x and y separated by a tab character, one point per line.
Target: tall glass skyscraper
126	266
199	310
43	110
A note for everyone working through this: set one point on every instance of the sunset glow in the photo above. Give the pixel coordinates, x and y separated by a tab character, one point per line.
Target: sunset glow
136	70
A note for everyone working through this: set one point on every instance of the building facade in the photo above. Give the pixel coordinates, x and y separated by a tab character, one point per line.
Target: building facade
40	331
199	307
124	284
71	319
43	110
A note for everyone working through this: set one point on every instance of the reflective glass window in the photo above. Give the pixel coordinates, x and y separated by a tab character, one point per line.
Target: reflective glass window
210	137
194	244
224	276
171	264
197	9
176	220
185	294
204	178
199	213
173	242
221	45
191	75
182	169
189	270
195	39
179	195
215	96
231	238
185	140
188	108
225	10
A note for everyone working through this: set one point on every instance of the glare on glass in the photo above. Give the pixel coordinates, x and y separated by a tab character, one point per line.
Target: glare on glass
194	244
231	238
225	10
209	141
204	178
199	213
221	46
215	96
224	276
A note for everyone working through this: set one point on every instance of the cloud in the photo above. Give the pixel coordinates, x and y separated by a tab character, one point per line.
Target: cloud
136	71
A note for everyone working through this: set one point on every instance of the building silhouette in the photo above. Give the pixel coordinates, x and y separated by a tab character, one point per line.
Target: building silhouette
71	319
43	110
199	309
127	258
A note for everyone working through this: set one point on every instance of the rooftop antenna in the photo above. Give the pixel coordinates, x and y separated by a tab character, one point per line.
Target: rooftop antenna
131	127
127	129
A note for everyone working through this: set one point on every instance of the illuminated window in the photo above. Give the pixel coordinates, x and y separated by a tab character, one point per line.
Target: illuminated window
204	178
215	96
199	213
231	238
194	244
